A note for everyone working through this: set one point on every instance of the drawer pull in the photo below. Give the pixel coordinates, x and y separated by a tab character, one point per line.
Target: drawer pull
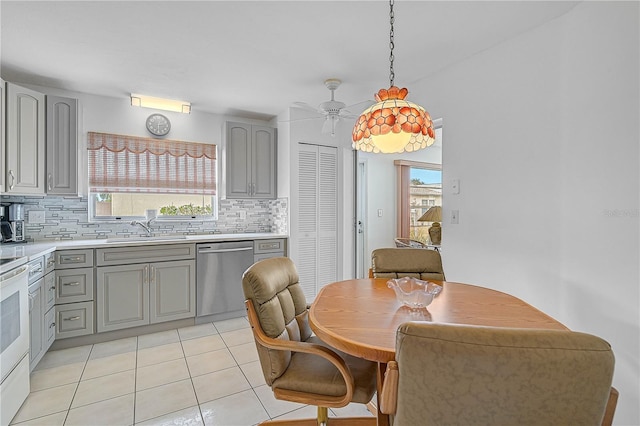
72	319
75	283
71	258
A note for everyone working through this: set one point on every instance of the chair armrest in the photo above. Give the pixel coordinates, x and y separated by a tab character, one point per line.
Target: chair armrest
295	346
389	395
611	407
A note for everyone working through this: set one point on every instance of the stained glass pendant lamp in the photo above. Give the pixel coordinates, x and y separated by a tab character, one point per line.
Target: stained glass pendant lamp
393	124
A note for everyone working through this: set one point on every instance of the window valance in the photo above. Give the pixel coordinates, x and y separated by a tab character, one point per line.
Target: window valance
119	163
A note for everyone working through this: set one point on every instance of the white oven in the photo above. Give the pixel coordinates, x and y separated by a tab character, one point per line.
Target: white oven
14	338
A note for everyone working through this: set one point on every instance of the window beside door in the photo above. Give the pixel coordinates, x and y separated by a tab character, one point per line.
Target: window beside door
425	191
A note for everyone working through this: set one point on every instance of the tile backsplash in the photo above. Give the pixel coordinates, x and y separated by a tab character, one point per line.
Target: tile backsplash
66	218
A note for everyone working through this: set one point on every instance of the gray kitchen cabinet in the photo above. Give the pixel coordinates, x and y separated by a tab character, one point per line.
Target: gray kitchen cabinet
25	141
144	285
74	294
74	285
172	291
62	145
73	320
66	259
147	293
265	249
41	312
49	331
3	128
251	161
122	298
36	322
49	290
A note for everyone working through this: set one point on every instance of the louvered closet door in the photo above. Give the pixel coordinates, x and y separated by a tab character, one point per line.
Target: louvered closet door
317	217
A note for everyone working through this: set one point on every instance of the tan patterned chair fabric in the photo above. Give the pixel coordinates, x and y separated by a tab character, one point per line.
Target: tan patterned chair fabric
407	262
466	375
272	287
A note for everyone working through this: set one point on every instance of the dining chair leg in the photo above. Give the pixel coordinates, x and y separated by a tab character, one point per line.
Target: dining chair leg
323	416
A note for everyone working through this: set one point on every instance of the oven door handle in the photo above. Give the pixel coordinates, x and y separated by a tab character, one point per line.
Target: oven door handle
12	274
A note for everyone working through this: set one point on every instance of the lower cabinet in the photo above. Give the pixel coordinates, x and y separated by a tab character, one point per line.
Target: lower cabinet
147	293
36	321
74	319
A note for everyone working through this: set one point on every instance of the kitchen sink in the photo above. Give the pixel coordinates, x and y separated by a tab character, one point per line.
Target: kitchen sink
142	239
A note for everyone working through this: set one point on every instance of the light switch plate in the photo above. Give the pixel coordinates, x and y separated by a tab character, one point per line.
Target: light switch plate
455	217
455	186
36	216
379	212
242	214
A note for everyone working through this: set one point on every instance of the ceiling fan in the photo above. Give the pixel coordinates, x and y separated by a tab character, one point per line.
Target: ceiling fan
332	111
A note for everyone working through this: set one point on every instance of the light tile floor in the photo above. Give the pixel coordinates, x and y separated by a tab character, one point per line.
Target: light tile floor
207	374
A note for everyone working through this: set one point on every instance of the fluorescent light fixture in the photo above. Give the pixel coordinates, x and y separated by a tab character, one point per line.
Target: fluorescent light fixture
160	103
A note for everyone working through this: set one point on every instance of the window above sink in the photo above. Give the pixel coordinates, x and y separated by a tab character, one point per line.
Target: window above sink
129	175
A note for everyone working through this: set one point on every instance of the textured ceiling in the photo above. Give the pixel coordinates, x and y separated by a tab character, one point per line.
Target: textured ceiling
249	58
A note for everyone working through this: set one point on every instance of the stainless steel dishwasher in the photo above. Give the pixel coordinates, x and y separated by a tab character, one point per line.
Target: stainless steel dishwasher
219	269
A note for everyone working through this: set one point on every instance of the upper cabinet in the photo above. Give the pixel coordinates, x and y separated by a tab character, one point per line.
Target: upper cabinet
62	145
39	142
3	129
251	161
25	143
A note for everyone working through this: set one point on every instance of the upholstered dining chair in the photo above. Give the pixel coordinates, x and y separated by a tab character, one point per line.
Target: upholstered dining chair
407	262
298	366
470	375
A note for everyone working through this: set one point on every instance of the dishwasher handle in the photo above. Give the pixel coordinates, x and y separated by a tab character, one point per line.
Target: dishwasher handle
229	250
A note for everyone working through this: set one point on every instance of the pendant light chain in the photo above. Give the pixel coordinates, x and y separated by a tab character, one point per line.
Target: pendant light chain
392	75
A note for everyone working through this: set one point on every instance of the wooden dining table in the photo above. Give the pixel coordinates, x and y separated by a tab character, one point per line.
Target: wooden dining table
361	316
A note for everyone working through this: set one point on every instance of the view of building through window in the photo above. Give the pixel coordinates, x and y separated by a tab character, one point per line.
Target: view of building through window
425	191
135	204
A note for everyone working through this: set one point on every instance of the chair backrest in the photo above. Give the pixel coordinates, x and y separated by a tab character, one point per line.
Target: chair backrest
407	262
272	286
407	242
456	374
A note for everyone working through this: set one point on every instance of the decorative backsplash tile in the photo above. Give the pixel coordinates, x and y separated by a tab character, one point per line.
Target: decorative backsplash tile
67	219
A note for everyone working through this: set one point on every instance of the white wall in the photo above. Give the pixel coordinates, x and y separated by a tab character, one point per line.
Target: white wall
543	132
382	184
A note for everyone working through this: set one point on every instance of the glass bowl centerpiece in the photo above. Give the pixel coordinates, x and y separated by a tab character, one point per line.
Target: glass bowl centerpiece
414	293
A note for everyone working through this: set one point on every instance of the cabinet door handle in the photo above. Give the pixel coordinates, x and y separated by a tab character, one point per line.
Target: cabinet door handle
49	178
71	258
152	275
13	179
146	274
52	287
72	319
75	283
53	324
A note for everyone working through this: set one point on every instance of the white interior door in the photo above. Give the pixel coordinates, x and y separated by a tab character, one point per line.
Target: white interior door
317	219
361	219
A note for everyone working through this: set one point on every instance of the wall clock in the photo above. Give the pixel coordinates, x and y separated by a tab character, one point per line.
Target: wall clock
158	124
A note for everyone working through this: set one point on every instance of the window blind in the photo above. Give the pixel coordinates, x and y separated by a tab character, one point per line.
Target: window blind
119	163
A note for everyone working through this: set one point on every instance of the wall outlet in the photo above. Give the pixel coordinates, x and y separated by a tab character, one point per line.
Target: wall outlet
242	214
36	216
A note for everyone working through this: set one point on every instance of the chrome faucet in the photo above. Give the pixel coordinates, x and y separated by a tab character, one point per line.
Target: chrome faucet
145	226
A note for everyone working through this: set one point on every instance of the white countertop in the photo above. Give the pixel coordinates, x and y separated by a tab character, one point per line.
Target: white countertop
34	250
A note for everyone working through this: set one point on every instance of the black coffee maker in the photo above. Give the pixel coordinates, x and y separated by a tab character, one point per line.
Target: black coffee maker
12	222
